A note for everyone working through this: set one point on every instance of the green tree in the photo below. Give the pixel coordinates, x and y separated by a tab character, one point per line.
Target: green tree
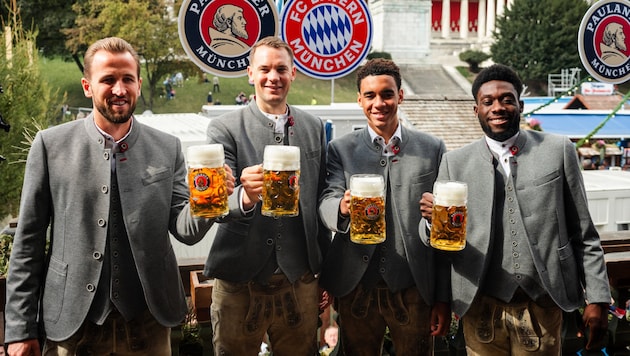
539	37
47	18
26	104
146	25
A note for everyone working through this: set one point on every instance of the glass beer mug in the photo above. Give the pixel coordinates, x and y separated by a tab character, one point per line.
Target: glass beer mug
367	209
448	219
281	175
207	181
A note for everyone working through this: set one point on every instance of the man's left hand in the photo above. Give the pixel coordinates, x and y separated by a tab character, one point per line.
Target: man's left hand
440	318
595	318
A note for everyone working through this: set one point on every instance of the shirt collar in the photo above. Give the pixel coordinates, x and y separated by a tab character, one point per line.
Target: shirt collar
374	135
279	119
502	148
109	140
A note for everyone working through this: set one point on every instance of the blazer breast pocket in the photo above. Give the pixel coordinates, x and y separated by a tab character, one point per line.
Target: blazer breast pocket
153	175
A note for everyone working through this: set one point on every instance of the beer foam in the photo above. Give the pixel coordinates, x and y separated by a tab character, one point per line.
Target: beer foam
450	193
366	185
210	156
281	158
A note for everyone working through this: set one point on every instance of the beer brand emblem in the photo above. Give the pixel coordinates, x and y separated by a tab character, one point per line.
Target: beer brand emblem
602	41
293	181
372	212
202	182
457	219
218	35
329	38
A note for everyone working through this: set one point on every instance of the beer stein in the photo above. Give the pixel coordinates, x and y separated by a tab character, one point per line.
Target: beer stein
448	219
207	181
281	175
367	209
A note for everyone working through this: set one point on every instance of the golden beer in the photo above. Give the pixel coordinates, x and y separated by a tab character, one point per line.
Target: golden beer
281	176
367	209
207	181
448	219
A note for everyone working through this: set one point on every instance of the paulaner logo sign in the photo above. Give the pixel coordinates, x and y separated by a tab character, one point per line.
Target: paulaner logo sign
329	38
602	41
217	35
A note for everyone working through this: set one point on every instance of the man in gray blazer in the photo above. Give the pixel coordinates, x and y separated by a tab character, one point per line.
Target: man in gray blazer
532	250
391	284
108	189
265	268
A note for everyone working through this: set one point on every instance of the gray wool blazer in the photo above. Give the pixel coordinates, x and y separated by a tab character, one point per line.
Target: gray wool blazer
243	244
66	188
552	201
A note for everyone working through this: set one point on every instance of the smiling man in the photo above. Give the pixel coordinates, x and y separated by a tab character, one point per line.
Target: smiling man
266	268
106	190
531	248
392	284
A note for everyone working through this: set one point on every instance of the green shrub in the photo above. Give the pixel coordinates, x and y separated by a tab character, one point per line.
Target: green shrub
373	55
473	58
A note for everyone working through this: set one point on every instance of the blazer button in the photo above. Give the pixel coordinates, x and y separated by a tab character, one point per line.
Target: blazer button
269	242
101	222
97	255
90	287
278	139
366	258
106	156
104	189
383	162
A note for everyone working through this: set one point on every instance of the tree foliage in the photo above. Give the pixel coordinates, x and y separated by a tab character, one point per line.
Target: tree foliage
26	104
146	25
539	37
47	18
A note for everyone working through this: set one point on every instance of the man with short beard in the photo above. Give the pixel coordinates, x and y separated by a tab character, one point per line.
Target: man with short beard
532	250
109	190
613	45
229	28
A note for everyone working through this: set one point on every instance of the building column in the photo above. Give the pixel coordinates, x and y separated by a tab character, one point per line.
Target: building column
490	15
500	7
463	19
446	18
481	20
509	4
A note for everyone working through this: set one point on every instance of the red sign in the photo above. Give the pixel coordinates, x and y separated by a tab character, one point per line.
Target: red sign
329	38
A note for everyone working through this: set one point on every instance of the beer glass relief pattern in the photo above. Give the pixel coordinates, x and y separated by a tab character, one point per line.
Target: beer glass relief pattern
281	192
448	227
367	220
208	192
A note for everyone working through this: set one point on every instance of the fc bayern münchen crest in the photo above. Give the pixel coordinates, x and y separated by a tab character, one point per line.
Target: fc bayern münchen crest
602	41
217	35
329	38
